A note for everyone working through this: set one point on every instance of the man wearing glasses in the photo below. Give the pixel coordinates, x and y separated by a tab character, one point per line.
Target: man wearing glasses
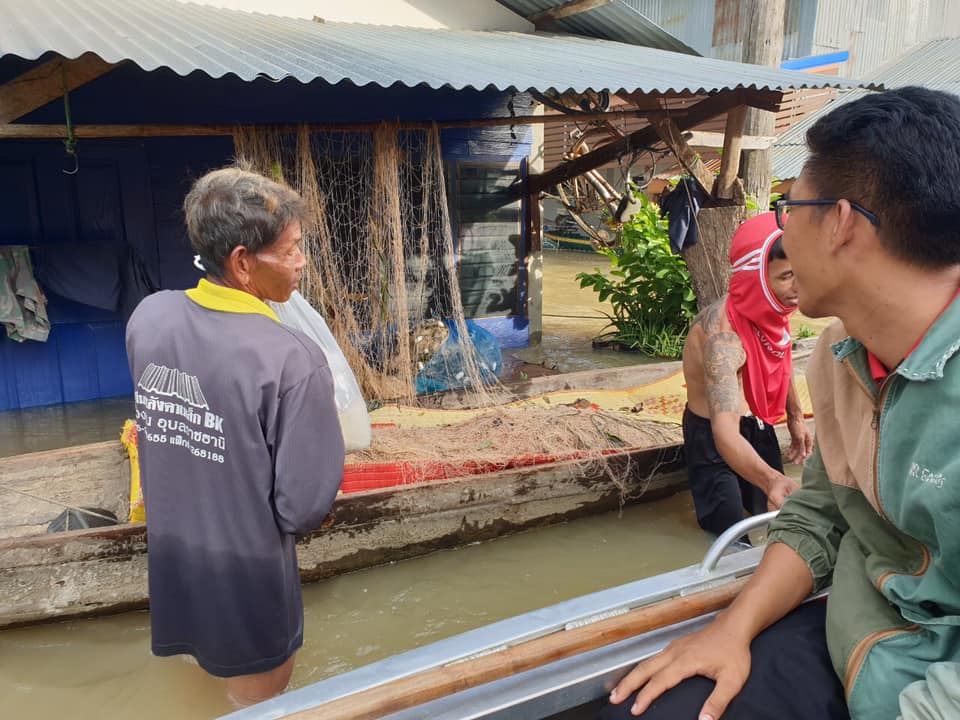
873	233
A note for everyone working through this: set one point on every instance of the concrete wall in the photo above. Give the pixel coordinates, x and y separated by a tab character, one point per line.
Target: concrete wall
450	14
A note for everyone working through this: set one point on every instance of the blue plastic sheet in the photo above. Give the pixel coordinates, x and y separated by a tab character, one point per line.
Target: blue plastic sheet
445	370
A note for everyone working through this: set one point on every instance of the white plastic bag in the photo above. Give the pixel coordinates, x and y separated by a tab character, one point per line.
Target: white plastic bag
351	407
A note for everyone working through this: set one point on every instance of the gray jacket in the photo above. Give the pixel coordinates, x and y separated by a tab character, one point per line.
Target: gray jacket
240	451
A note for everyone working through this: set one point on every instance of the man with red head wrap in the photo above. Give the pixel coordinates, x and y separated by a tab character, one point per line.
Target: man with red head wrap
875	520
738	367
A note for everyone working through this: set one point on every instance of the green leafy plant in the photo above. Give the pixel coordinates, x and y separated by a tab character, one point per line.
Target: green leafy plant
804	332
648	287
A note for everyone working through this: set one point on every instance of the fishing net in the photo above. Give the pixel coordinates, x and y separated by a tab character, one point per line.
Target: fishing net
578	440
381	253
501	435
382	271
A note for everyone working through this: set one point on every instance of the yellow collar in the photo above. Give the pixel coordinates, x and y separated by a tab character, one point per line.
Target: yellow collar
223	299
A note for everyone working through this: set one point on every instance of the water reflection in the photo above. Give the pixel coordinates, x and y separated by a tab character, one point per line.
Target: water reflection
57	426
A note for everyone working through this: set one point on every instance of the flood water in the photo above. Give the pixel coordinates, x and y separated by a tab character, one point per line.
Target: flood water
572	317
57	426
102	669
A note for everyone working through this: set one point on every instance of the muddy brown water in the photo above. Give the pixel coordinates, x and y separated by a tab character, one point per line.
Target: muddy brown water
102	669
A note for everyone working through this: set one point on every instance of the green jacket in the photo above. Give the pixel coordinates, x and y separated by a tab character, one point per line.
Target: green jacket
878	516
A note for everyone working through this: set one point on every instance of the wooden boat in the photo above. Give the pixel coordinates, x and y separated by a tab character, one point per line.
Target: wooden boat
567	241
104	570
543	664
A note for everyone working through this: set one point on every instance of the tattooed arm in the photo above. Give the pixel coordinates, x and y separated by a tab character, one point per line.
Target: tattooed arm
723	356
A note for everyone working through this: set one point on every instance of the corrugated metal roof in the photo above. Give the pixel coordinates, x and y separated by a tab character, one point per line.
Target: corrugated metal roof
935	64
187	37
617	20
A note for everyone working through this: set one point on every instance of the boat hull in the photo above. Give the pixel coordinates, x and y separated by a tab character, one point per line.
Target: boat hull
104	570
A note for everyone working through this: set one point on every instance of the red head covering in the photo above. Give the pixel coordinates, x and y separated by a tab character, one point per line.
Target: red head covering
758	318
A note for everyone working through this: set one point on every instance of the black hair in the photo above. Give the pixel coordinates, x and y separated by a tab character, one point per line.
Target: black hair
776	251
896	153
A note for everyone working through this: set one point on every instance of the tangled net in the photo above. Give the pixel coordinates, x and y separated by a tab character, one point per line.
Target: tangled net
507	433
382	271
381	256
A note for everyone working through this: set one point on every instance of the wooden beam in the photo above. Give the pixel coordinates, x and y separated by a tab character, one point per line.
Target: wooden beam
704	139
763	99
35	88
31	131
732	145
35	131
546	18
534	267
645	137
688	157
684	119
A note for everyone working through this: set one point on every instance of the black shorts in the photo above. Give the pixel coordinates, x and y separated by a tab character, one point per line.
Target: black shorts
791	678
719	494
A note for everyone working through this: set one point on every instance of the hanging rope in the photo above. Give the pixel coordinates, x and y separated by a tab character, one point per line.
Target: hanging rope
83	511
70	144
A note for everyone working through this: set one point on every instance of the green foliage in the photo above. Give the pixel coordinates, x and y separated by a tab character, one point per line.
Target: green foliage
648	287
805	332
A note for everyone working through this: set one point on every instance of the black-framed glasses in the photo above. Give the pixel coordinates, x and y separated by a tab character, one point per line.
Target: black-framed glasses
782	209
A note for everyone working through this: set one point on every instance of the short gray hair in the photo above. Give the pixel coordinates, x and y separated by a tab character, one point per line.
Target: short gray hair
231	207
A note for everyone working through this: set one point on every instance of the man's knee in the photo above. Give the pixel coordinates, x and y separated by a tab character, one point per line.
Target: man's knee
717	501
720	519
244	690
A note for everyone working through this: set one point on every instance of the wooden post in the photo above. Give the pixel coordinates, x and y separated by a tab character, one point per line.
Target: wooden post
534	255
708	260
762	45
732	145
534	263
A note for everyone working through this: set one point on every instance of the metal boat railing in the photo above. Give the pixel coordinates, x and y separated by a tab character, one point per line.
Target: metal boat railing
551	688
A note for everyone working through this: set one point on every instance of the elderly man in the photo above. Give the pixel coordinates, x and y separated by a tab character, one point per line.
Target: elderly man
874	237
240	445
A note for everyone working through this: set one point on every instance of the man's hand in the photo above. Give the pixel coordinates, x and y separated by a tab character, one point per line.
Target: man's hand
779	489
713	652
801	440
